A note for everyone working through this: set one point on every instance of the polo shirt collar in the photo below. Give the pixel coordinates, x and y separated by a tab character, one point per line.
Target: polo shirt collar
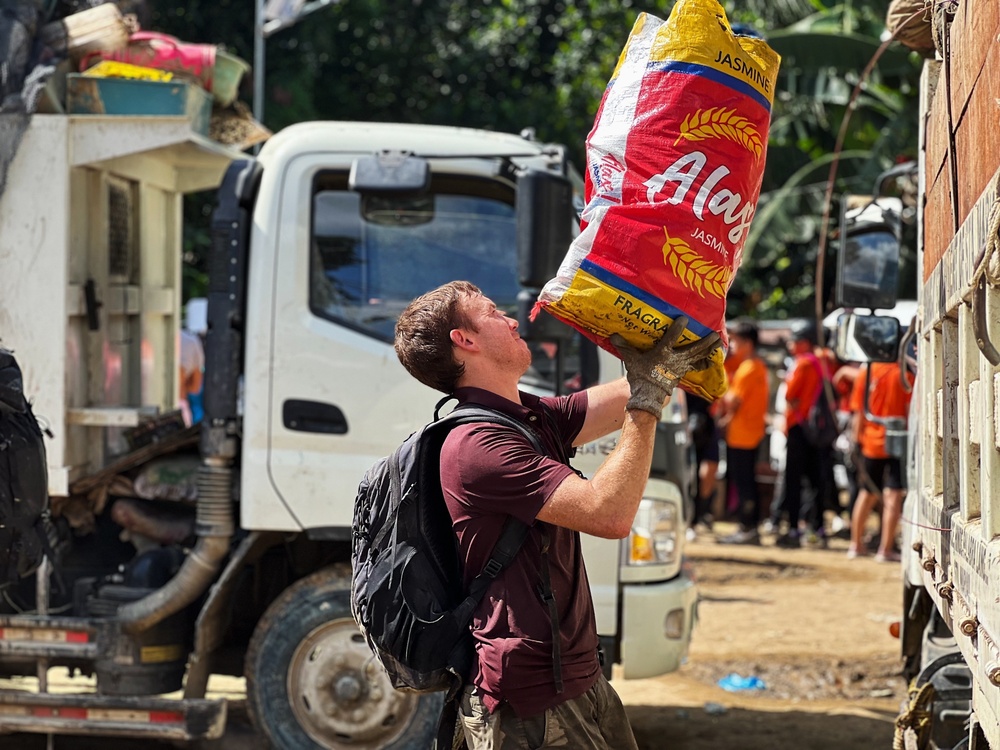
528	406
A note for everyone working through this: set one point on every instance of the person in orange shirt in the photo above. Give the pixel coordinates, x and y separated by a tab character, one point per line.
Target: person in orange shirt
827	496
743	415
803	384
886	398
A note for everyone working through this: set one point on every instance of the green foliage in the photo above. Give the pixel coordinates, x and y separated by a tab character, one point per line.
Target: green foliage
476	63
823	57
510	64
196	242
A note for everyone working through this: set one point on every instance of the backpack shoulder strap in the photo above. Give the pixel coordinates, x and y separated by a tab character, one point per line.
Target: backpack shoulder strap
471	414
514	532
507	546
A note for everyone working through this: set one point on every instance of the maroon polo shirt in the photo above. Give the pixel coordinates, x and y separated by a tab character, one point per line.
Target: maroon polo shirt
487	473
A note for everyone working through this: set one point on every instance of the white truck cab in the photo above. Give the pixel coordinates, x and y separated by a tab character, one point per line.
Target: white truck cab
316	251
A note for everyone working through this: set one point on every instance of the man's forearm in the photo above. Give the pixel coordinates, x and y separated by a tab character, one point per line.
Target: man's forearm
620	481
605	505
605	410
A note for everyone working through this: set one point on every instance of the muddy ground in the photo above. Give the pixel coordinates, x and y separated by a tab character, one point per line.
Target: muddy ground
809	623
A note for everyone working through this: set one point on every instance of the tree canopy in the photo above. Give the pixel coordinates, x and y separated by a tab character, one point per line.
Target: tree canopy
510	64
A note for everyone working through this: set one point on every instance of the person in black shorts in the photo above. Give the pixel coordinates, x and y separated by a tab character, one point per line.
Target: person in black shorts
885	473
888	402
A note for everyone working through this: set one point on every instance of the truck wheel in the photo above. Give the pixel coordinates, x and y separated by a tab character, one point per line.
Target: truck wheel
313	684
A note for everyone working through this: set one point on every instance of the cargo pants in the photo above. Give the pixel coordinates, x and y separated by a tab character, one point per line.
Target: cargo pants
595	720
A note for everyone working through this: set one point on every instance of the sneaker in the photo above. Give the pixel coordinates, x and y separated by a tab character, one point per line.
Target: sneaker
743	536
791	540
769	527
839	524
841	528
691	534
853	552
890	556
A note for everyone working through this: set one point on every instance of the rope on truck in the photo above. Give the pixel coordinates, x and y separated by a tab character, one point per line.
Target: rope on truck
916	719
990	264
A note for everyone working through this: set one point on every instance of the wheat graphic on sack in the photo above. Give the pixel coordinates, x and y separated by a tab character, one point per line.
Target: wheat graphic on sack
694	271
717	122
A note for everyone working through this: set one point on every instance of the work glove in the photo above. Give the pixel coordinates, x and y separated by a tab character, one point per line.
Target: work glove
652	375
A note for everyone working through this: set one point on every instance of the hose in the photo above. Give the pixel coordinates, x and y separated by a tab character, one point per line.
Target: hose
214	527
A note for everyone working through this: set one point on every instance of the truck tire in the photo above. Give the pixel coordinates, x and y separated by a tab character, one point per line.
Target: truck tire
313	684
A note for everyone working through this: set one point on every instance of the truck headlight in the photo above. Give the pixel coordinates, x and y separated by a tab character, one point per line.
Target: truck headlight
653	539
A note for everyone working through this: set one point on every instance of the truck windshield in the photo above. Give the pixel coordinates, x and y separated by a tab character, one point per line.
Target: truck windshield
371	255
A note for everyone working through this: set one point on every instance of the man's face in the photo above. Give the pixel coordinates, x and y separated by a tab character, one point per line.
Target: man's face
497	335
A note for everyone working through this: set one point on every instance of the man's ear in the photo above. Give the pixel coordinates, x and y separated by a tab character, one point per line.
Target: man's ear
462	341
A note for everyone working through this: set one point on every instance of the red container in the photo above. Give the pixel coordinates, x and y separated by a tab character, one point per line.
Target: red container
163	52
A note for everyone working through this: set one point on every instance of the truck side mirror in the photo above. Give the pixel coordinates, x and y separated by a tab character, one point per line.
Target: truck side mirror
545	225
867	338
868	261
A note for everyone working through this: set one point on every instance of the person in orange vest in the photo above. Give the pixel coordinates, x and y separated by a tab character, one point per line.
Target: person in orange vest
887	397
743	416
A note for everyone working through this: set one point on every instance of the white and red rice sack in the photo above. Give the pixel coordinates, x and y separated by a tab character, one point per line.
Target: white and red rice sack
674	167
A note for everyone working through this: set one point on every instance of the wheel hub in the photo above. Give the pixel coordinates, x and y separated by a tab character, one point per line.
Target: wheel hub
347	688
340	694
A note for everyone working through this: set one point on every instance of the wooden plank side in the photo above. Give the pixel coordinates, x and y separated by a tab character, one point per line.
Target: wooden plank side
973	33
937	206
937	131
974	93
977	145
937	219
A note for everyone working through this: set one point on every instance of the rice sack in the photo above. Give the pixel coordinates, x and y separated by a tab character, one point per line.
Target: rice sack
674	166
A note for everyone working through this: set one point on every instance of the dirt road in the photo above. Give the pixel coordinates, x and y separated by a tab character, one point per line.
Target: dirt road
811	624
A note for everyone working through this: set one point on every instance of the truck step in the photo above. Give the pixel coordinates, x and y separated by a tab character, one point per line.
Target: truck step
27	636
111	716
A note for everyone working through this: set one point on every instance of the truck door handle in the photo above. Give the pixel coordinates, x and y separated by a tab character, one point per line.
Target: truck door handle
313	416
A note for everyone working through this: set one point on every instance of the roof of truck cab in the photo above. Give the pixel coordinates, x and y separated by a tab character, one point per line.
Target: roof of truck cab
421	140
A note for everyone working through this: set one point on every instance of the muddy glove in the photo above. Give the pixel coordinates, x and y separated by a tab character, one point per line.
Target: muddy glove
652	375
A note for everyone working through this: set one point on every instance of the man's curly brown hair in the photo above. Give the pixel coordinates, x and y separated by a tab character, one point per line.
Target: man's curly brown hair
423	335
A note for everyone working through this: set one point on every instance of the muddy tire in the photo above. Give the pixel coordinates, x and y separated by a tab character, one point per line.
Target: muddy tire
313	684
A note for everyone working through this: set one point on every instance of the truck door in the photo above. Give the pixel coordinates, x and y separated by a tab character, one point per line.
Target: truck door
345	266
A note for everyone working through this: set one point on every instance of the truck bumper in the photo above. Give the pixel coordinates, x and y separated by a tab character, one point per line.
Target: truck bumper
27	639
155	718
656	626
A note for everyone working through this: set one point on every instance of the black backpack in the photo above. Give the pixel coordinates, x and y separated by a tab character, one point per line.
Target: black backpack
406	590
24	497
820	425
